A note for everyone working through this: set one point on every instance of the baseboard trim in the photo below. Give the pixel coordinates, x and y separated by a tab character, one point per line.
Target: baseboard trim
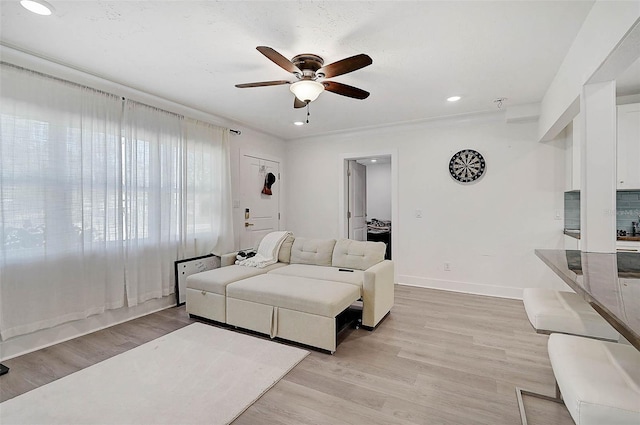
463	287
24	344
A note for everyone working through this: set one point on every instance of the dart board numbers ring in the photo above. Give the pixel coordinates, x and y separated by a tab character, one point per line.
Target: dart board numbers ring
467	166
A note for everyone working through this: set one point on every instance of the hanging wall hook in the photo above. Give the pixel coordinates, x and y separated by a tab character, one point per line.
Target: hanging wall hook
499	101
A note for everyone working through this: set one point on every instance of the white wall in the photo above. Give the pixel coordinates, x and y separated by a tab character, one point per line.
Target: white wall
487	231
379	191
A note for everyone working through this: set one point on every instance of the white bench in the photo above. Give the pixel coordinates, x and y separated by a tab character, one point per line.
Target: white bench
565	312
599	381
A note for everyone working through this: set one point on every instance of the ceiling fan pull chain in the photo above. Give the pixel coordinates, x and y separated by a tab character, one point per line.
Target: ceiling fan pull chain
308	112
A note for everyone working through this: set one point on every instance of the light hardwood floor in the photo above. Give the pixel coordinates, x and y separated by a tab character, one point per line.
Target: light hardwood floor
439	358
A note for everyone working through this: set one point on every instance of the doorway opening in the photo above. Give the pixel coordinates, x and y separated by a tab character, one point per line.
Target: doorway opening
369	188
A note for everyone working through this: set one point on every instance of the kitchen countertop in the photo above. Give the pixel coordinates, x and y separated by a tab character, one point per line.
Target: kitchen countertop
609	282
576	234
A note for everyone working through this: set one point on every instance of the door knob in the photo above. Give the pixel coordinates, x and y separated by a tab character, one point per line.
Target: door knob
247	224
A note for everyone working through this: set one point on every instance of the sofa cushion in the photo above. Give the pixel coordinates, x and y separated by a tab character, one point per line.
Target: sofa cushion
284	256
216	280
358	255
354	277
324	298
317	252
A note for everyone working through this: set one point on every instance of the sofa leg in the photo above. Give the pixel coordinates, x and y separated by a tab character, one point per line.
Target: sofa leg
372	328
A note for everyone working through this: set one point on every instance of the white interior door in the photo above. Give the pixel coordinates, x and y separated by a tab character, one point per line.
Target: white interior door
357	214
261	211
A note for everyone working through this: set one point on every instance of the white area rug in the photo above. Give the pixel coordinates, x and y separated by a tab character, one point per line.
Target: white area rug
196	375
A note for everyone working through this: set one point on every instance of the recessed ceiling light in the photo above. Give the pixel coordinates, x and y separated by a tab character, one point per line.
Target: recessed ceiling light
298	123
40	7
454	98
374	160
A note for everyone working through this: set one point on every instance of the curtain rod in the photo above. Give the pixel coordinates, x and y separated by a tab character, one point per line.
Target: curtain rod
73	83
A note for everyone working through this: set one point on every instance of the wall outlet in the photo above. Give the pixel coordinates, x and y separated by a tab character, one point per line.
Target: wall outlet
447	267
418	213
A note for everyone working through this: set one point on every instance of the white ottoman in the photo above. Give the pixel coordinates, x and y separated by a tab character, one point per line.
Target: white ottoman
206	291
565	312
599	381
290	307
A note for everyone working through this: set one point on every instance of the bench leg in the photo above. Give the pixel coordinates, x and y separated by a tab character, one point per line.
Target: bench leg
520	392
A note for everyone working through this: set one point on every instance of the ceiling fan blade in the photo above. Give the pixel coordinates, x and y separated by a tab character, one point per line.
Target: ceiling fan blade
345	66
261	84
297	103
345	90
279	60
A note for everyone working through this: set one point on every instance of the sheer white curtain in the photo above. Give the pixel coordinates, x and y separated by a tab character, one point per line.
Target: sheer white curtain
208	209
153	160
60	209
98	198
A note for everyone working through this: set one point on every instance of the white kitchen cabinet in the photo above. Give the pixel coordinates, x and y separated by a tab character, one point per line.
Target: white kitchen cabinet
628	167
628	246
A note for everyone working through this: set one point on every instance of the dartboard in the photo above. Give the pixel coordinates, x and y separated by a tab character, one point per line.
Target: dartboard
467	166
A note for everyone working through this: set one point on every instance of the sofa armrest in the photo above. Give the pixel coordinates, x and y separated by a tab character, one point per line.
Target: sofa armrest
228	259
377	292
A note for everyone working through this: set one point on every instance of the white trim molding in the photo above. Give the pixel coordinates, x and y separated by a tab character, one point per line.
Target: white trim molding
464	287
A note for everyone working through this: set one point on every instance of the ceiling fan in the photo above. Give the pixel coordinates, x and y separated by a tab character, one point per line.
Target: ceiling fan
308	69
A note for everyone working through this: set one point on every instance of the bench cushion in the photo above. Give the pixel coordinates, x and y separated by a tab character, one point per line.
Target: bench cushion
312	251
355	277
216	280
599	381
357	255
320	297
565	312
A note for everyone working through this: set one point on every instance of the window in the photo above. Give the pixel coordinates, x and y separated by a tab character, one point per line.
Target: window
98	197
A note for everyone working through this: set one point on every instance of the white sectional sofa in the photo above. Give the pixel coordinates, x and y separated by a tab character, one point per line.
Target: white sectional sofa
300	296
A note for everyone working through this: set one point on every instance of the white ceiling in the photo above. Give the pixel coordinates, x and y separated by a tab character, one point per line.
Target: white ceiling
194	52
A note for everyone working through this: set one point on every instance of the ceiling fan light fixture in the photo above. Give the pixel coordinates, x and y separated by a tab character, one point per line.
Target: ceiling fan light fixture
39	7
307	90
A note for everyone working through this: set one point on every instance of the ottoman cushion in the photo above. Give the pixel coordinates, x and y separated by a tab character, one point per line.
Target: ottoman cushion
320	297
216	280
